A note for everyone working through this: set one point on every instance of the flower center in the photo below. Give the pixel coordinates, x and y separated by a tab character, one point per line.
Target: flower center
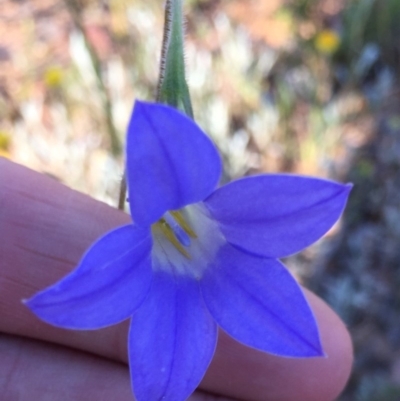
186	241
178	232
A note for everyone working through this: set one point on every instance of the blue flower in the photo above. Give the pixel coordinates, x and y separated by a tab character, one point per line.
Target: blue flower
196	258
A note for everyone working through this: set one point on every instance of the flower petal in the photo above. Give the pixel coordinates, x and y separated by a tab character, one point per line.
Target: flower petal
170	162
171	340
277	215
110	282
258	302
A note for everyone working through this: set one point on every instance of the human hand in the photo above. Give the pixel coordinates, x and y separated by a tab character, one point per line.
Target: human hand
44	230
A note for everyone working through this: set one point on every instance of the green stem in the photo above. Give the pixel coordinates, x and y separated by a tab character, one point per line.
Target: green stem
172	87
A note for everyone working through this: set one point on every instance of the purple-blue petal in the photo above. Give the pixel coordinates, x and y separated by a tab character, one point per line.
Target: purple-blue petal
170	162
258	302
171	340
111	281
277	215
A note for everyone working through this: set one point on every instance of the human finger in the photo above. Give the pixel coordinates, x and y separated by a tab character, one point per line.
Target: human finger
34	370
44	230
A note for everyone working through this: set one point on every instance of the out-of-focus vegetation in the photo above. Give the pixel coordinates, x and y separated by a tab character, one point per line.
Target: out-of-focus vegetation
71	69
306	86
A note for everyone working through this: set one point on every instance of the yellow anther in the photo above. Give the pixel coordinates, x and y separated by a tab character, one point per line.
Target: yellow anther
182	222
170	235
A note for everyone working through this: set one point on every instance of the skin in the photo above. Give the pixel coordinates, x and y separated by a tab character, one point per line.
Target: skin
45	228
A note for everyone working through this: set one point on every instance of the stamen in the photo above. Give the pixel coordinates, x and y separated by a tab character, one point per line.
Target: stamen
182	222
179	232
170	235
170	254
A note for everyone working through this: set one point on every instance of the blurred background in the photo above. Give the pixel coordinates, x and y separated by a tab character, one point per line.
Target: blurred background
302	86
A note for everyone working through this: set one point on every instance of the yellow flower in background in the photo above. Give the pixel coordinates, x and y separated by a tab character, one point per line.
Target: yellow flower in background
327	41
53	77
5	141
